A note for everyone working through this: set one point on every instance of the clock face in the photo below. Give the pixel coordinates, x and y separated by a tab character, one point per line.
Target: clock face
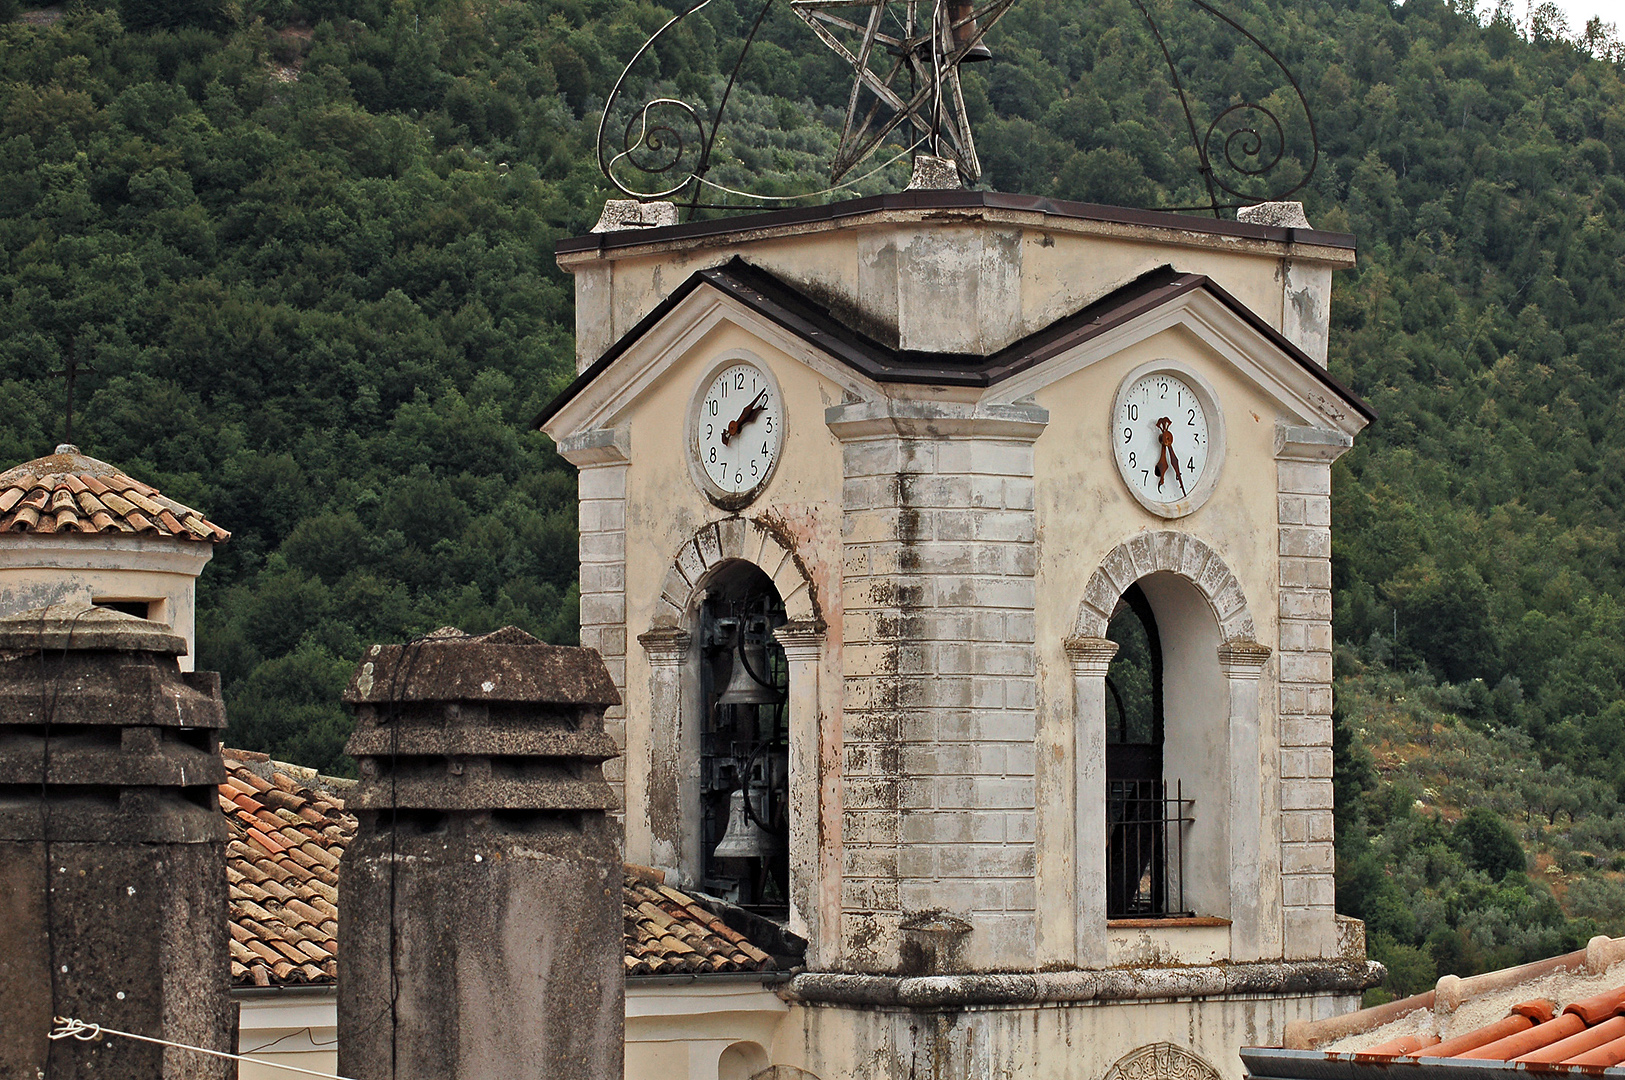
1160	431
738	431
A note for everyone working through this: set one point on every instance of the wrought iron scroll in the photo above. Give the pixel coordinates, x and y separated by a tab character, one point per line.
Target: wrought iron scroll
664	131
666	144
1245	148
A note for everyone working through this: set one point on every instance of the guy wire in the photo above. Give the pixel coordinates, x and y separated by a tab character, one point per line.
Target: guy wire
398	683
48	711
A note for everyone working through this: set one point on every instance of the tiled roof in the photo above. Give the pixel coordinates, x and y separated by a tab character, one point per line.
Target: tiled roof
1536	1034
288	830
671	933
68	492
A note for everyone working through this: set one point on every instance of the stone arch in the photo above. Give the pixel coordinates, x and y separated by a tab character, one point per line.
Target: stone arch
733	538
1161	1061
1175	552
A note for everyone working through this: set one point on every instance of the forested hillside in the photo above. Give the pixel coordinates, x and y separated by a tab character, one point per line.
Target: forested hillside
306	248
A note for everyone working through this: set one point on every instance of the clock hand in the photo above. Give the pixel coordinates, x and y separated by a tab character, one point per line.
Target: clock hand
1168	456
1165	439
746	415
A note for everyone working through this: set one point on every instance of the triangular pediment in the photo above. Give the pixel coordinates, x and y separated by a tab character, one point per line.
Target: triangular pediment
786	319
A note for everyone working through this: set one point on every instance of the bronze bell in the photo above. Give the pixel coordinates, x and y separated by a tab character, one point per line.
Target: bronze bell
744	839
966	31
743	689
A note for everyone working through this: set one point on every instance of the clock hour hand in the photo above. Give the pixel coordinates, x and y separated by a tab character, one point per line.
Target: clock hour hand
1168	457
746	415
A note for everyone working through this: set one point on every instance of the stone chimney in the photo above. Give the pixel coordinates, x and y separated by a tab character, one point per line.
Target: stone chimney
112	848
484	881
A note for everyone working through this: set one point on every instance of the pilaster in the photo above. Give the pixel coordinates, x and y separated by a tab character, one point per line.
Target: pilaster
1255	866
815	897
602	458
1304	459
660	839
1090	658
938	624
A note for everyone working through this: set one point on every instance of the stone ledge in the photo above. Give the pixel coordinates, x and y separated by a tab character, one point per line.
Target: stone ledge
1137	984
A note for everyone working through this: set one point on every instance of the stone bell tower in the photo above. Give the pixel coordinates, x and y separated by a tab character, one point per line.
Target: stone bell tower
1014	515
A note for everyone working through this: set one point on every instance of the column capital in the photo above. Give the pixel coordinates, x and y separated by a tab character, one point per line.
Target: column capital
1320	446
802	640
1242	659
666	646
1090	656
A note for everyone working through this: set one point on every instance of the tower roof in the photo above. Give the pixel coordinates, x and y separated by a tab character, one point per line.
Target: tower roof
67	492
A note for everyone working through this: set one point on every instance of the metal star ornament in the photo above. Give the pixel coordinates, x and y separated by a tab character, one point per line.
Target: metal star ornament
883	40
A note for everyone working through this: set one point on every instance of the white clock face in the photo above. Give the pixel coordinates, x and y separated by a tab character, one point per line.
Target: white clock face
739	430
1161	436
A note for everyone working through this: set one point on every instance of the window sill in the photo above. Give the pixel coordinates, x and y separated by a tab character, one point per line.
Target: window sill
1189	922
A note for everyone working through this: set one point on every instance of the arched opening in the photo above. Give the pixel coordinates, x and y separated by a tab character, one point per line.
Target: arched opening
1167	755
744	729
741	1061
1137	847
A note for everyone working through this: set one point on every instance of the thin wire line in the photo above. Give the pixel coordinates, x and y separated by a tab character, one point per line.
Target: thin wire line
397	690
48	713
83	1032
826	191
306	1031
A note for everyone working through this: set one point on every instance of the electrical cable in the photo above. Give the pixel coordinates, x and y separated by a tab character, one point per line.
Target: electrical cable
47	713
397	688
68	1027
825	191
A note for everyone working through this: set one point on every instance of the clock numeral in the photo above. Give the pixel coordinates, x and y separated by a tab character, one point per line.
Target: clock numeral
1131	462
713	455
765	451
712	404
1133	411
739	477
739	380
1192	421
753	467
1191	464
1128	435
769	423
708	431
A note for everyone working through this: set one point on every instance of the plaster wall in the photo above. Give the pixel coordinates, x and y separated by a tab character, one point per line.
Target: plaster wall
297	1028
1083	512
660	517
1069	1041
948	543
1005	275
36	570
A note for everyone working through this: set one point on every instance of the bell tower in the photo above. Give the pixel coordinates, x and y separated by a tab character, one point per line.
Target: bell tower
963	563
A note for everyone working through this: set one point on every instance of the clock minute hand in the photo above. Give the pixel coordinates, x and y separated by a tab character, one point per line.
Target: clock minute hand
746	415
1168	457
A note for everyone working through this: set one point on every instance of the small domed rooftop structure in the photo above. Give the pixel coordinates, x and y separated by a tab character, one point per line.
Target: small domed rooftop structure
73	528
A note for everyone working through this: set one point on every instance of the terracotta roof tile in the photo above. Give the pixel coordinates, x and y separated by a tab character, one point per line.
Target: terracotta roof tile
68	492
280	931
289	830
1589	1032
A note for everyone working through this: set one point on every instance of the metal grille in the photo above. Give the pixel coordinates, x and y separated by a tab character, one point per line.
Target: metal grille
1145	849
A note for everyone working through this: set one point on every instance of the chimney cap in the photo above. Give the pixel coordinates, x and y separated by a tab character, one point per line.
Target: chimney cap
81	627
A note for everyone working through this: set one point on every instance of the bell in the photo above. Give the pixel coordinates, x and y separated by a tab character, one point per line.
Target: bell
966	31
744	839
742	688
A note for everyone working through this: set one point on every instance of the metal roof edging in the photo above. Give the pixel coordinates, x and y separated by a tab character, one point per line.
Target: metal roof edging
1272	1064
745	283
